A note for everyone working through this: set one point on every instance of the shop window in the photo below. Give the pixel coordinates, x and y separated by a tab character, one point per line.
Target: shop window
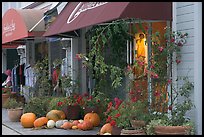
139	54
41	51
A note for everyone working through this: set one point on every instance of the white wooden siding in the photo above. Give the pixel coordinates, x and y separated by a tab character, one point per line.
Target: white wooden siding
187	18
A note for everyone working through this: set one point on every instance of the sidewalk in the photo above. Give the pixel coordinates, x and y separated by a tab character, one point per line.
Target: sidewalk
12	128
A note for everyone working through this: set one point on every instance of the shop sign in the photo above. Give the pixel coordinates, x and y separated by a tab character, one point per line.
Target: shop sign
82	7
8	28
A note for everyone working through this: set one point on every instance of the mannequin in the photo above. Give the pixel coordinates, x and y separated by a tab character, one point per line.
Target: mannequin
7	82
140	46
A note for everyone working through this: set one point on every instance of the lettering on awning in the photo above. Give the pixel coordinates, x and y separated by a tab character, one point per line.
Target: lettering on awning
82	7
8	28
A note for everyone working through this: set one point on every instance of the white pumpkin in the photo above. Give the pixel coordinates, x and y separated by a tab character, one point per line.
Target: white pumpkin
51	124
107	133
81	121
59	123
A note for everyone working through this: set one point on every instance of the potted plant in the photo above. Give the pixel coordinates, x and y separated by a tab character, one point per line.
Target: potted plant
38	106
15	109
70	105
96	102
175	122
5	95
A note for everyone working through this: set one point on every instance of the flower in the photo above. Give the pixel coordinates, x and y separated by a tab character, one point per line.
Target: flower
78	56
127	109
178	61
160	48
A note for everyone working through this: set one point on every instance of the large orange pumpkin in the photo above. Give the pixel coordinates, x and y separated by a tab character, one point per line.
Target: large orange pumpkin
39	122
55	115
107	128
27	120
93	118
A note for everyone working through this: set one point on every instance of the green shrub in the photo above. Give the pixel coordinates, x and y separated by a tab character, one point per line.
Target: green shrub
38	105
11	103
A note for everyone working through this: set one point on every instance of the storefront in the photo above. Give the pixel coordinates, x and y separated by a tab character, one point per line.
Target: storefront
78	17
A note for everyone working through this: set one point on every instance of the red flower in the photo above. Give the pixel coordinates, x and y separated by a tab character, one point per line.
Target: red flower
134	99
156	76
146	28
180	44
152	66
78	57
79	99
139	91
170	107
169	81
128	68
136	84
172	40
86	94
157	94
131	92
113	123
178	61
59	103
110	104
160	49
117	115
75	96
108	119
98	100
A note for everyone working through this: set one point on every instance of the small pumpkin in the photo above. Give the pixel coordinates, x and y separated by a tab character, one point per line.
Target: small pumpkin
39	122
59	123
88	124
67	125
85	125
81	121
51	124
75	122
74	127
93	118
107	128
107	134
27	120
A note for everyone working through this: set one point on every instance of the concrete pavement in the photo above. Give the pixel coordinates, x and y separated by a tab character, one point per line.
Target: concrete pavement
11	128
8	131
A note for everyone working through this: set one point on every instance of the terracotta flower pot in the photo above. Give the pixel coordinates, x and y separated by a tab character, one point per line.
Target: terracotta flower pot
15	114
132	132
4	98
171	130
116	130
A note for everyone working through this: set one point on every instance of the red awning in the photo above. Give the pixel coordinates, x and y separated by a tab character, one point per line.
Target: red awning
77	15
22	23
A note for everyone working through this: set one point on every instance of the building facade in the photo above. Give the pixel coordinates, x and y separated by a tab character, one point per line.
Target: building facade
187	17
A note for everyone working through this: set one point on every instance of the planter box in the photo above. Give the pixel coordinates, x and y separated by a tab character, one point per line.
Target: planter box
171	130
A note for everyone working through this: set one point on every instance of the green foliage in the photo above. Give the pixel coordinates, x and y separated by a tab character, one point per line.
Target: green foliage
43	84
106	59
54	103
11	103
6	90
181	107
38	106
150	127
